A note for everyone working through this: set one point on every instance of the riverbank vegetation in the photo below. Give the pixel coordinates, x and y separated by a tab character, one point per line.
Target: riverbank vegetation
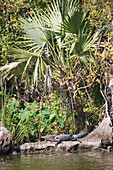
56	59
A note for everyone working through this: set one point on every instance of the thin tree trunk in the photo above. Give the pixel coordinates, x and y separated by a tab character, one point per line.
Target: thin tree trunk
72	108
111	88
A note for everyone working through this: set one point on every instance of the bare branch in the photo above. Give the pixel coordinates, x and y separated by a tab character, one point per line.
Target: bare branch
81	88
106	101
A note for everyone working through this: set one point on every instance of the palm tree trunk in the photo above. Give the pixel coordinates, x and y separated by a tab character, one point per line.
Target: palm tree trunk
72	108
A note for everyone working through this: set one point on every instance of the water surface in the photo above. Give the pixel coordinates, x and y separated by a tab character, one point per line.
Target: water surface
66	161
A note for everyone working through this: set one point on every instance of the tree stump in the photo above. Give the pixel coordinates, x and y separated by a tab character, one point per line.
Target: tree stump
101	137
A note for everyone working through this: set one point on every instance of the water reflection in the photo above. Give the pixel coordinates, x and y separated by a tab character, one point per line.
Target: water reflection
67	161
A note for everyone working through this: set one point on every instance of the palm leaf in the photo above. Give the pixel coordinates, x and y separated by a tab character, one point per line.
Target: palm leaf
36	32
83	45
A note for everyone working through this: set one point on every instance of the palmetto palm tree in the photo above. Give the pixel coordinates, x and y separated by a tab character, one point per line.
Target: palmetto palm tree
59	37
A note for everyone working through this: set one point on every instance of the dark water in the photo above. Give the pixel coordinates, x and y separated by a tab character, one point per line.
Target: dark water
67	161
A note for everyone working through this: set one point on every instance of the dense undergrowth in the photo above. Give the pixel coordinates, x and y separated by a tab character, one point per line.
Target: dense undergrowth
69	88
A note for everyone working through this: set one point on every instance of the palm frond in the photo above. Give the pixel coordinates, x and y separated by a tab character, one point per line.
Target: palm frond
76	24
14	69
83	44
36	32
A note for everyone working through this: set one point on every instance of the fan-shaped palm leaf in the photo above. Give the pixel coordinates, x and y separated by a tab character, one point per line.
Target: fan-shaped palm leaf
34	29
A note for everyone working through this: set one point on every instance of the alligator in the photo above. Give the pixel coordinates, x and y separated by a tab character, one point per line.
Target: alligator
60	138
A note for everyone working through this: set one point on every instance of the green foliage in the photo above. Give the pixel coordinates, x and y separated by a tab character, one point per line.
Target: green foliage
62	38
91	115
29	123
11	119
10	11
100	12
58	37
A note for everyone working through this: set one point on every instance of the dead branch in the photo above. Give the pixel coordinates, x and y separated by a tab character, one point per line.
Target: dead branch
81	88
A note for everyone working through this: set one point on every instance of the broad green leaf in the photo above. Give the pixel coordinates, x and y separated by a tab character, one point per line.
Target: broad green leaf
52	115
45	111
87	123
25	115
1	93
42	128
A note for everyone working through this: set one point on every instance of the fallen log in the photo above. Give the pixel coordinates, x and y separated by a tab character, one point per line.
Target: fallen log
100	138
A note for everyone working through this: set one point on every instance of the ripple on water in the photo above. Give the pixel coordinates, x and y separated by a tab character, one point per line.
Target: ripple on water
66	161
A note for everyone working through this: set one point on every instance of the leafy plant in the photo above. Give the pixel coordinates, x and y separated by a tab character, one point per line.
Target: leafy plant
58	37
29	123
61	37
11	115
